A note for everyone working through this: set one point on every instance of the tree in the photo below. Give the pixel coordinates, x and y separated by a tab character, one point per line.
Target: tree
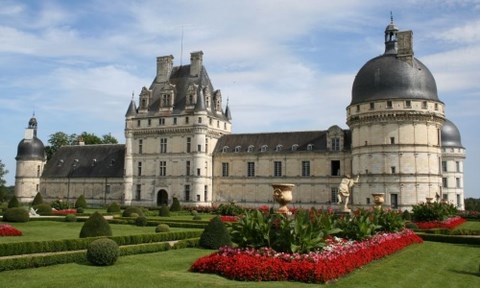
3	172
59	139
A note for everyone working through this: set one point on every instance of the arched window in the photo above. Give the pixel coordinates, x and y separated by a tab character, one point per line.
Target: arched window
225	149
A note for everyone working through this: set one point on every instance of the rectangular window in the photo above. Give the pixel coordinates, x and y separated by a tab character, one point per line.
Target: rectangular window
139	169
305	168
335	167
187	120
408	104
394	201
205	193
218	124
206	145
138	192
108	188
458	182
389	104
163	168
372	105
187	168
198	172
161	121
187	193
189	144
424	105
358	108
163	145
199	148
140	146
444	182
36	187
392	140
138	123
393	169
251	169
436	107
199	120
334	195
149	121
38	170
445	196
277	168
335	144
368	200
175	121
457	164
225	168
444	166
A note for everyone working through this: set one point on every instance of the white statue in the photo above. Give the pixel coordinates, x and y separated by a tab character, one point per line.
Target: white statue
344	190
33	212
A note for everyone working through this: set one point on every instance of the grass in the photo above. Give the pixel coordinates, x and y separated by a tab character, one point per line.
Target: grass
426	265
53	230
470	225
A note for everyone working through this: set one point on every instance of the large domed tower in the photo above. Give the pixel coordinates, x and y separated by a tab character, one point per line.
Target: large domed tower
396	117
30	161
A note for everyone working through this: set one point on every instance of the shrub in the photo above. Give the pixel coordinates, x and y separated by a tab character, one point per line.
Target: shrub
433	211
113	208
132	209
59	205
162	228
411	225
134	215
215	235
70	218
406	215
81	202
16	214
43	209
103	252
37	200
80	210
13	202
164	211
95	226
175	205
197	217
230	209
141	221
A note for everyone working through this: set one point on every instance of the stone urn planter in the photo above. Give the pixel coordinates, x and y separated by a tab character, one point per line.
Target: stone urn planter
429	200
378	200
282	194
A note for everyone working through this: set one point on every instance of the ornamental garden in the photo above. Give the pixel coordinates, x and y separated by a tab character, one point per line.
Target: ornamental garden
239	244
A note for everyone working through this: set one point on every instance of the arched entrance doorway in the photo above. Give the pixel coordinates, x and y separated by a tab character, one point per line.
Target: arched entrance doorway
162	198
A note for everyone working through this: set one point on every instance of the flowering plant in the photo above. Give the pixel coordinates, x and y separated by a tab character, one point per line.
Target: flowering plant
64	211
8	230
227	218
338	258
449	223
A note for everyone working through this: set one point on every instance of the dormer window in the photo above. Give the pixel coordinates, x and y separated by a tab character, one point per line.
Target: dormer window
294	147
389	104
250	148
237	149
279	148
94	162
60	163
372	105
310	147
264	148
225	149
408	104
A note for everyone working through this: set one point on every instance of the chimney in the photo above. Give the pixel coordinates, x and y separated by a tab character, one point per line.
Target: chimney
164	68
405	46
196	62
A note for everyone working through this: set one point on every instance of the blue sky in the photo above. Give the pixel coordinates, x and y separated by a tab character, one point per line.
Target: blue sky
283	65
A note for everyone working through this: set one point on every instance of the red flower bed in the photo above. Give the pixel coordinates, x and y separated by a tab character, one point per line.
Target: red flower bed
64	212
450	223
226	218
335	260
7	230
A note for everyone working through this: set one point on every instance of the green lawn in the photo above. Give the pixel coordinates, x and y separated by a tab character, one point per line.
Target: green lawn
425	265
470	225
53	230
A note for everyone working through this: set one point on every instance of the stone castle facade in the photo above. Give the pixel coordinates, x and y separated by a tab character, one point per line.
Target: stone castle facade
179	143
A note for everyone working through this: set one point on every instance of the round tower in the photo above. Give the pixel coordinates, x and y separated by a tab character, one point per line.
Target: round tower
30	161
395	117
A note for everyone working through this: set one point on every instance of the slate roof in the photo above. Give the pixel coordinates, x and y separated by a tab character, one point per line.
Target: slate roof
287	139
82	161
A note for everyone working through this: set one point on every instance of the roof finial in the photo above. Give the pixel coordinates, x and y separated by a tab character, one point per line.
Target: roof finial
391	17
133	94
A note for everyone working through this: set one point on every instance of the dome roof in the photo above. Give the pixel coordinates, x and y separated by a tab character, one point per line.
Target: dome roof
30	149
387	77
394	75
450	135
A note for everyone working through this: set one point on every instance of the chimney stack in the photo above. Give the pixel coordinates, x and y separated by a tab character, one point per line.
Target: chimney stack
405	46
164	68
196	62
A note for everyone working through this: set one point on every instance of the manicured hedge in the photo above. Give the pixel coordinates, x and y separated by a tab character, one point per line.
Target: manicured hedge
19	248
80	256
458	239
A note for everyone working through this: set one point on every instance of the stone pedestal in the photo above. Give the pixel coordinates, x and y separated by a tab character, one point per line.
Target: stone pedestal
282	194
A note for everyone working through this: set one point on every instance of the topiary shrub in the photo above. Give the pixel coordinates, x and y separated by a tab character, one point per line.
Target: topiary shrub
406	215
13	202
215	235
81	202
197	217
175	205
16	214
162	228
103	252
80	210
129	210
37	200
43	209
70	218
113	208
141	221
95	226
411	225
164	211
